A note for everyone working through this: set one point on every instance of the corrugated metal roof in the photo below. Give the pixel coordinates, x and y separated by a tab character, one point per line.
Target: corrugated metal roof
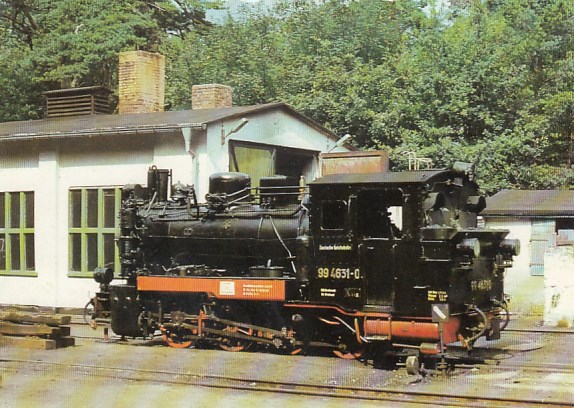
530	203
93	125
402	177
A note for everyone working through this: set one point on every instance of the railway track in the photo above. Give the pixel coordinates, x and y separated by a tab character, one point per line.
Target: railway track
493	382
255	385
495	364
533	368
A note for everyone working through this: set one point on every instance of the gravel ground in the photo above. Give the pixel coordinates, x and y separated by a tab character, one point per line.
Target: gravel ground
65	383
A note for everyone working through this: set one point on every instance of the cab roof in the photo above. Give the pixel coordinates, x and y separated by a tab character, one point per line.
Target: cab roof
397	178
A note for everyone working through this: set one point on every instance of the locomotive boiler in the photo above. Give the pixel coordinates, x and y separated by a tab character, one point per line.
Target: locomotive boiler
388	263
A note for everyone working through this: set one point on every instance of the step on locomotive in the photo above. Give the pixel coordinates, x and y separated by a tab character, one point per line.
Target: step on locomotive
390	264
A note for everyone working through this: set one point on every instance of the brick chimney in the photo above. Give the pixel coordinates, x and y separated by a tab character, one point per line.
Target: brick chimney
141	82
211	96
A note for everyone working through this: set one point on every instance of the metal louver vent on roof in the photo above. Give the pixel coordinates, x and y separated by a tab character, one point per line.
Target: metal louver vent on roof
77	101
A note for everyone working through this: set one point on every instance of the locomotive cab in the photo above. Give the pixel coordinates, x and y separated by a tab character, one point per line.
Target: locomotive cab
363	240
392	245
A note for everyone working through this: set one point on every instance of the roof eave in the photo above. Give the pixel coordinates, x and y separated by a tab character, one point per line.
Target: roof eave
145	129
216	116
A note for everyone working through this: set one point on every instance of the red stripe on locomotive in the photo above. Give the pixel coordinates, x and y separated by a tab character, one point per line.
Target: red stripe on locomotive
412	330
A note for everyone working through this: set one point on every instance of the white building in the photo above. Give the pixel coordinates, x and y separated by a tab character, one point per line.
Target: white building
60	177
541	279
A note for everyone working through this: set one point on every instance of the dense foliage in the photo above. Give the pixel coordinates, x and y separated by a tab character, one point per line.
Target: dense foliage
48	44
488	81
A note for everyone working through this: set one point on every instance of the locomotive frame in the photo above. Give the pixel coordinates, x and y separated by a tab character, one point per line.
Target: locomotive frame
378	263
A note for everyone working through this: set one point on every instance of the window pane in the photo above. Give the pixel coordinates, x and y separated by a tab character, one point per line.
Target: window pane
2	210
396	214
333	215
76	251
30	260
92	249
292	164
94	211
75	208
2	252
15	251
109	208
29	196
109	250
15	210
256	161
92	198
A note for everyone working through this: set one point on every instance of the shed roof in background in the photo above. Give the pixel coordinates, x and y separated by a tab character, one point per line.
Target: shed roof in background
533	203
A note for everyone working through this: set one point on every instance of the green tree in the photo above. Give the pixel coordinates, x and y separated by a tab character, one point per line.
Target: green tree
76	42
490	82
20	96
492	86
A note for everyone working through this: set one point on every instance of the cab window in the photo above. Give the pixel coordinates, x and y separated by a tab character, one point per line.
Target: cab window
380	214
333	215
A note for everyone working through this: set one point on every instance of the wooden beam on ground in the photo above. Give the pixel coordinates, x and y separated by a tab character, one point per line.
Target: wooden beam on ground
28	342
14	329
50	320
29	329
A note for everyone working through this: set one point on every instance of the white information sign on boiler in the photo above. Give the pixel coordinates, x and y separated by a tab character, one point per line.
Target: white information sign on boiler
227	288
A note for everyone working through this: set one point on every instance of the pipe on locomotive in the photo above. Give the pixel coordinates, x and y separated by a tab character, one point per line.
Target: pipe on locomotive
468	342
503	306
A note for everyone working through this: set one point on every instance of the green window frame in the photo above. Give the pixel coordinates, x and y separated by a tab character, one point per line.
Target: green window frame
93	226
17	246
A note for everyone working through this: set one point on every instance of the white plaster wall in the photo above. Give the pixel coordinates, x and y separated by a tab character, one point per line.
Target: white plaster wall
279	128
59	167
203	166
20	170
94	163
526	291
51	168
559	286
169	153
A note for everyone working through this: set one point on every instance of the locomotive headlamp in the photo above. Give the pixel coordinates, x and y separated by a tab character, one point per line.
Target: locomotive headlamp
469	246
510	247
103	275
467	169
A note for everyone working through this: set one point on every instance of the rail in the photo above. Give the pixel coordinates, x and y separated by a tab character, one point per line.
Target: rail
384	394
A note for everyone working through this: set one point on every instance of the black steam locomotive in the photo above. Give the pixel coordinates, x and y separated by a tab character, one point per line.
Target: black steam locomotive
379	262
